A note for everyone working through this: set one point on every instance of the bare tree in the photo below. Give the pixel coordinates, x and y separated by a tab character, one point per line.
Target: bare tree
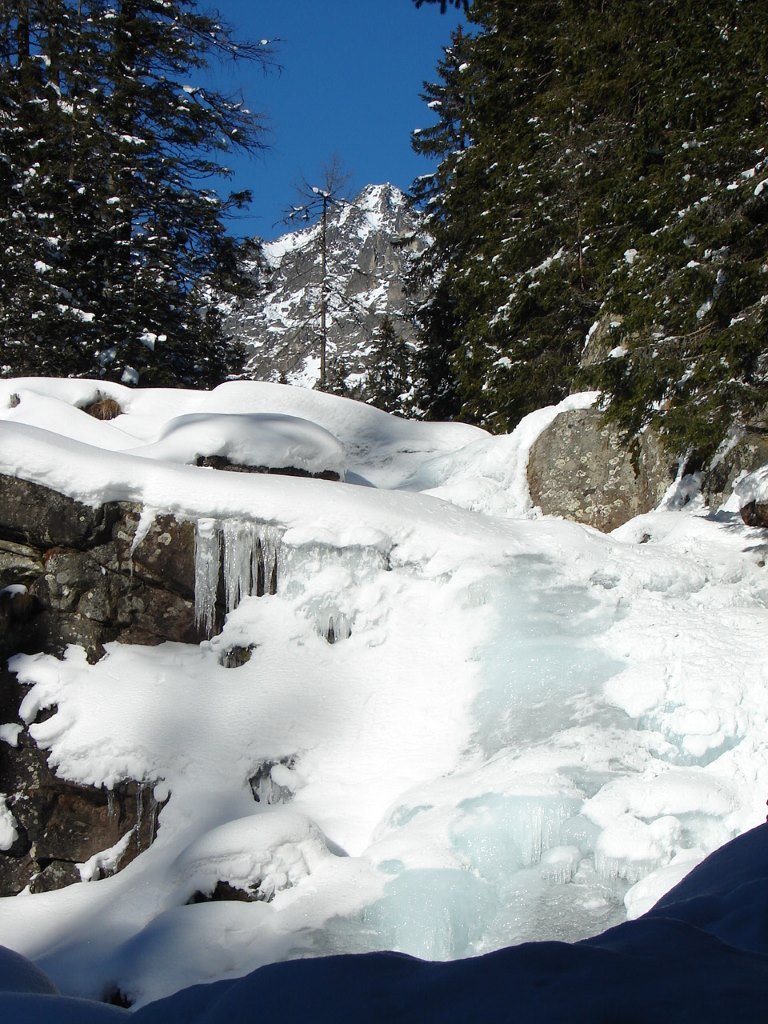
319	199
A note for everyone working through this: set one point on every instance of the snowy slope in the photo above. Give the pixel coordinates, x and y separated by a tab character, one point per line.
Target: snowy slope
696	959
525	730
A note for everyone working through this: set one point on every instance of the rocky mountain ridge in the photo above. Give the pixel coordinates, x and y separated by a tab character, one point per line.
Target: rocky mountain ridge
370	242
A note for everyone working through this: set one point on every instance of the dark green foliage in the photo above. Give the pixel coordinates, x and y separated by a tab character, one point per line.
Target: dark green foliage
572	133
112	231
388	384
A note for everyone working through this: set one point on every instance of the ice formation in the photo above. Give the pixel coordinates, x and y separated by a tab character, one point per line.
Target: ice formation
530	730
244	557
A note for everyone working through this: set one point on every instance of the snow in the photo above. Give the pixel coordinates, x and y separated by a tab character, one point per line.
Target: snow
698	956
8	833
9	733
255	439
753	487
523	730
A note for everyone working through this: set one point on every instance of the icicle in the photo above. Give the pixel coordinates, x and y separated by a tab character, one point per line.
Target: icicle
240	541
153	811
207	560
250	556
334	626
269	541
139	813
110	805
257	569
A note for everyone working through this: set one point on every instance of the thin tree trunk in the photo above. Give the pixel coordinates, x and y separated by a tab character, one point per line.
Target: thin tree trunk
323	293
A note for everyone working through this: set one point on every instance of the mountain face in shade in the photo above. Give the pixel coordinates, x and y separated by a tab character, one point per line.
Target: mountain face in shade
370	243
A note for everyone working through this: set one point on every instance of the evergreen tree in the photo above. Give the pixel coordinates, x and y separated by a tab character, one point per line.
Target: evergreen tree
389	382
572	133
436	384
319	201
108	218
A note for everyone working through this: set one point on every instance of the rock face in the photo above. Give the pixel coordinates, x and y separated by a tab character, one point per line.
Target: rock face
369	244
747	454
60	825
73	574
90	579
755	513
579	469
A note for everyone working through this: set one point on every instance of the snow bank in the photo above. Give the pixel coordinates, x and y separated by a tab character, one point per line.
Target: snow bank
255	439
462	726
699	955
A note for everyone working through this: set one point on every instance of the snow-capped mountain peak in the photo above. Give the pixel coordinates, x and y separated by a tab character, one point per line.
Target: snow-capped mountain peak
368	242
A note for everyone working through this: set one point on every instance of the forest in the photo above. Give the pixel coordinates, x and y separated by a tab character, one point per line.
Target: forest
597	209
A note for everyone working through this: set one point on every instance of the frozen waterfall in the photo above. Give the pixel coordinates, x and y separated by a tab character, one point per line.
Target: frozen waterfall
244	558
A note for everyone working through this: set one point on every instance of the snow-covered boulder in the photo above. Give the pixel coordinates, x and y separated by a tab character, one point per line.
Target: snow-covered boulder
580	468
262	442
752	495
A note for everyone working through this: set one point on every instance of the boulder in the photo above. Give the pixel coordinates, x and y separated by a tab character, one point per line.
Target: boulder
580	468
61	824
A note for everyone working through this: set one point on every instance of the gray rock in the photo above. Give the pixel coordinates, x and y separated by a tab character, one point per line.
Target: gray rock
747	455
579	468
55	875
370	243
601	340
236	657
19	563
42	518
165	555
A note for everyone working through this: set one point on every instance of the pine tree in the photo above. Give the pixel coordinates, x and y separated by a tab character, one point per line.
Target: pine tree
436	384
389	382
602	159
109	219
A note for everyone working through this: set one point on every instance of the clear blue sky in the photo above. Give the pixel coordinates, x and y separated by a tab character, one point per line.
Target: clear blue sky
352	72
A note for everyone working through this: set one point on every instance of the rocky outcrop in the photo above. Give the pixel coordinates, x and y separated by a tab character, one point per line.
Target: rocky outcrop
580	468
219	462
72	574
747	454
61	825
370	243
90	577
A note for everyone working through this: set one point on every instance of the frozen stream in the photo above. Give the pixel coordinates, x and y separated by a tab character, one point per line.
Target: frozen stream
424	722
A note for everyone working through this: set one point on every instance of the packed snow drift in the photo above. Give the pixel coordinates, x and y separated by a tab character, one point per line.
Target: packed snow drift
463	725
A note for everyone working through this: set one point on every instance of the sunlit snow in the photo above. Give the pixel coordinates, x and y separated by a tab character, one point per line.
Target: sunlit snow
462	725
